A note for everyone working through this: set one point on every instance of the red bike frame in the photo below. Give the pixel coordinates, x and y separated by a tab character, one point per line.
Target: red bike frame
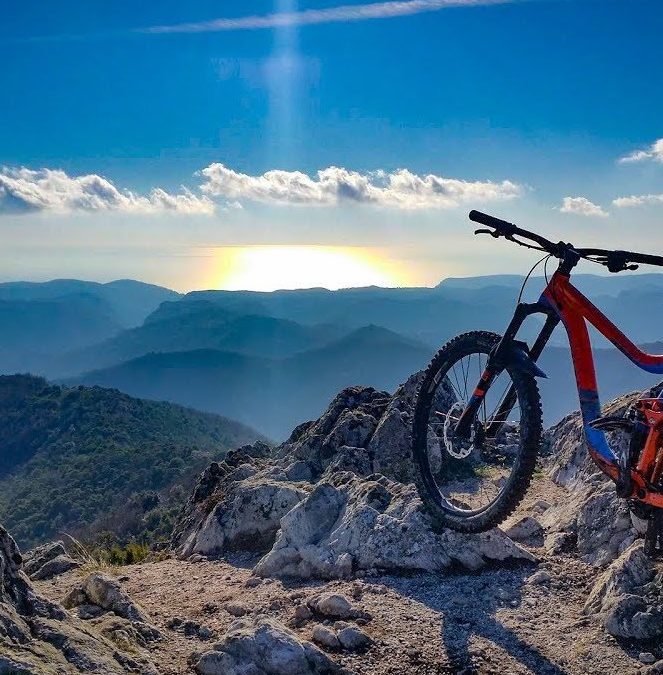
575	310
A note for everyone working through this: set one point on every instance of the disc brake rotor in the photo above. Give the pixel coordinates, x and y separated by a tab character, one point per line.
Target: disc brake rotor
458	448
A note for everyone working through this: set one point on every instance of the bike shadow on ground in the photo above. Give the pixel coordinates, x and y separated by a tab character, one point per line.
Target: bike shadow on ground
468	604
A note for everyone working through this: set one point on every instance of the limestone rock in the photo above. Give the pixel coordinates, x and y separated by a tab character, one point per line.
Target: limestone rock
376	425
325	637
237	504
525	529
350	420
247	517
55	567
87	611
302	614
632	570
47	561
349	524
316	506
106	592
654	669
264	647
37	635
391	444
236	608
332	606
624	600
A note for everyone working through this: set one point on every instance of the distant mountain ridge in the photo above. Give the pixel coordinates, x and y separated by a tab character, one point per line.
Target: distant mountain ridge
592	284
131	301
273	395
272	359
33	330
40	322
176	327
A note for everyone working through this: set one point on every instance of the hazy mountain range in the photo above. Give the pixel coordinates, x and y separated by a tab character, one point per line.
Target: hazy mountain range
274	395
275	359
42	321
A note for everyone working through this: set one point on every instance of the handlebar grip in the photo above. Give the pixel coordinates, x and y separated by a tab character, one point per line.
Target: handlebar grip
646	259
502	226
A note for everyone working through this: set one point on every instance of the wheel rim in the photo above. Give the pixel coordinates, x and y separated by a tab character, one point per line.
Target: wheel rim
469	475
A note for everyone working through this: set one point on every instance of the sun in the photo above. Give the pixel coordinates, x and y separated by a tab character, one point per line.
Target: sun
270	268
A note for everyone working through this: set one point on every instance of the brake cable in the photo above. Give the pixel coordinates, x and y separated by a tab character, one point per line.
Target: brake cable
523	244
529	274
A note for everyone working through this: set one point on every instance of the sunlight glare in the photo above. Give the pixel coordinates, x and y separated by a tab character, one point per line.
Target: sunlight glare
268	268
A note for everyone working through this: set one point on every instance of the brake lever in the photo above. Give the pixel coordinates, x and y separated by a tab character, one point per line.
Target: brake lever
490	232
617	261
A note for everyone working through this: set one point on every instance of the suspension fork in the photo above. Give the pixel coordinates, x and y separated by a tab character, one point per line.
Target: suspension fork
497	361
510	399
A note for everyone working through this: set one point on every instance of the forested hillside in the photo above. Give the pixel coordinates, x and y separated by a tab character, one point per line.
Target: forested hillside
71	458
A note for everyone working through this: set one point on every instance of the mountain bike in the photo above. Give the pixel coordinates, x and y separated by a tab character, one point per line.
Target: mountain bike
477	423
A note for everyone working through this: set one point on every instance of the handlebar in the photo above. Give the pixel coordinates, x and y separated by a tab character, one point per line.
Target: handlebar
509	230
615	261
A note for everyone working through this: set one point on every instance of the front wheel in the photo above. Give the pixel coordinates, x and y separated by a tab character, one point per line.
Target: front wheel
472	484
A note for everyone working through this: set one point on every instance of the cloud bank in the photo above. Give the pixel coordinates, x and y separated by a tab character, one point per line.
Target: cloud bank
581	206
26	190
653	152
342	13
637	200
401	189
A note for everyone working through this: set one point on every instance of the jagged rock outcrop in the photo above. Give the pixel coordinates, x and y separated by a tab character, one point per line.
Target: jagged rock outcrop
264	646
350	421
373	426
47	561
39	636
105	592
629	596
592	519
319	509
390	445
236	506
238	503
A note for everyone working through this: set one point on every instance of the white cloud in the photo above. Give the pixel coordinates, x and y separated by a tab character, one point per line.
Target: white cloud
654	152
637	200
24	190
401	189
581	206
342	13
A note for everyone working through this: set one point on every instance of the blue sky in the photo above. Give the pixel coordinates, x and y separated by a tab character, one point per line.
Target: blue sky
526	103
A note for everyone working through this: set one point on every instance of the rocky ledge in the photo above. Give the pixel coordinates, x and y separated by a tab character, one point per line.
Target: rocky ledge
328	503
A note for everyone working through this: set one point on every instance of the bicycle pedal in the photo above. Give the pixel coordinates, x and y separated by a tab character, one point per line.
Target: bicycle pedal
654	535
610	423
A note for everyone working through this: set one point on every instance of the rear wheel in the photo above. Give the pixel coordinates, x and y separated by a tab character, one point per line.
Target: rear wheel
473	484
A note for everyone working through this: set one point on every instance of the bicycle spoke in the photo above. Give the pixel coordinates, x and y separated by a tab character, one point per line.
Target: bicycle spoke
456	389
467	374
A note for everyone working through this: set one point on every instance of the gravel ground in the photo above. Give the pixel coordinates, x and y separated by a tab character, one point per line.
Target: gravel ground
494	621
